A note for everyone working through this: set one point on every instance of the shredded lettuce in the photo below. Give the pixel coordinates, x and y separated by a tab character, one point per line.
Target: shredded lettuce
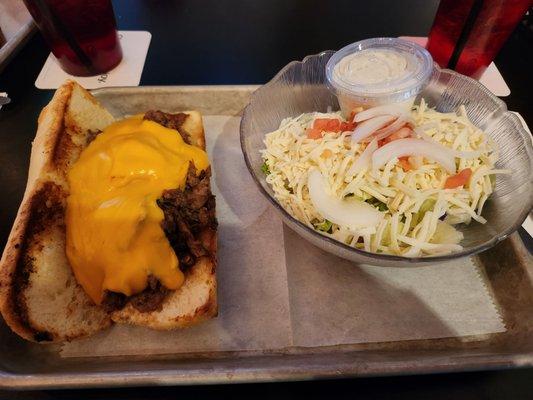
426	206
492	178
324	226
288	187
265	168
377	203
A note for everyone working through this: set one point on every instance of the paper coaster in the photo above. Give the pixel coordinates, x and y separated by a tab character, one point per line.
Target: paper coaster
491	78
127	73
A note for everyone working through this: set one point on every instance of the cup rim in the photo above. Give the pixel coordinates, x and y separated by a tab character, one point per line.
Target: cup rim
404	87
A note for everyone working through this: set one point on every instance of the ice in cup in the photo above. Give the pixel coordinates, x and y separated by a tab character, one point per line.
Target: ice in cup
378	71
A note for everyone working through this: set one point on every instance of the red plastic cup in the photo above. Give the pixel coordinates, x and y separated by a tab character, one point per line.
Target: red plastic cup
81	33
468	34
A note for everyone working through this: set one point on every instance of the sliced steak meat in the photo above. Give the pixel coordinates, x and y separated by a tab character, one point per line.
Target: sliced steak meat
151	298
188	212
114	301
171	121
91	135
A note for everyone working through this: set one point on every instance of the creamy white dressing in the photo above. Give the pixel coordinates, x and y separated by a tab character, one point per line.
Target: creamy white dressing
379	71
372	66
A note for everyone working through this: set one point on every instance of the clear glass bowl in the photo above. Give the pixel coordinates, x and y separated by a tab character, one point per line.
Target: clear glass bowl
300	87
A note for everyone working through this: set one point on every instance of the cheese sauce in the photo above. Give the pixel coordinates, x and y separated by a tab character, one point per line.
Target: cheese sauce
113	223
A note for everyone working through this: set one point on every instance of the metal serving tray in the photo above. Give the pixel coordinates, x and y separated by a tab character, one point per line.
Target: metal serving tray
508	269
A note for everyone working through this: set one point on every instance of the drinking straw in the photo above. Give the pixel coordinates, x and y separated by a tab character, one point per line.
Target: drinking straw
465	33
48	13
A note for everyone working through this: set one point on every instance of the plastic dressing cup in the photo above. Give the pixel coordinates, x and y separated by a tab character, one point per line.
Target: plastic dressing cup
378	71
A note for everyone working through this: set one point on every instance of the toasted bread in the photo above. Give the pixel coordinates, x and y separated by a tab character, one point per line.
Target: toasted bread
39	296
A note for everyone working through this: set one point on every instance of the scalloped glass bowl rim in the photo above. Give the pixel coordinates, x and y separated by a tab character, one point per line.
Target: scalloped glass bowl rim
377	257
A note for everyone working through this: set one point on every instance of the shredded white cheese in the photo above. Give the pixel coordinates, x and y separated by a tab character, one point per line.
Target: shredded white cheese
414	201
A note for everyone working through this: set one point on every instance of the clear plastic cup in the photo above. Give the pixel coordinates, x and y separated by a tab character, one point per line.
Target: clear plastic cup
416	70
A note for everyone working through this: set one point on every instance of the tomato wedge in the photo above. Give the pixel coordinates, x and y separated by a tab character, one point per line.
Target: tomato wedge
314	133
347	126
401	133
405	164
354	112
327	124
321	125
459	179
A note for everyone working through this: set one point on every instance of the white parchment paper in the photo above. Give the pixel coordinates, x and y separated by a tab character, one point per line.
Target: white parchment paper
277	291
363	304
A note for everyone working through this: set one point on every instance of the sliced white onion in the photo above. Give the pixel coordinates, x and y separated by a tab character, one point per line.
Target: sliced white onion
367	128
352	213
364	160
389	109
414	147
456	153
394	127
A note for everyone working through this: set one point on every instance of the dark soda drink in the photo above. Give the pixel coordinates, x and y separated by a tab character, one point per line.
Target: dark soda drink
81	33
468	34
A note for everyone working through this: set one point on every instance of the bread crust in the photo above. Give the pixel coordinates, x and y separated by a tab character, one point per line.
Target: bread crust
40	213
35	247
49	123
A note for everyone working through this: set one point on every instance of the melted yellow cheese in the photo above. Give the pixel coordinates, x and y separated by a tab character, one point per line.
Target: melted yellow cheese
114	234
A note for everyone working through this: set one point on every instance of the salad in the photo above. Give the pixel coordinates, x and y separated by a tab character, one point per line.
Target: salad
384	180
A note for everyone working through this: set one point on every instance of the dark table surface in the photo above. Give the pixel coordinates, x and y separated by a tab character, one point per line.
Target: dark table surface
247	42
